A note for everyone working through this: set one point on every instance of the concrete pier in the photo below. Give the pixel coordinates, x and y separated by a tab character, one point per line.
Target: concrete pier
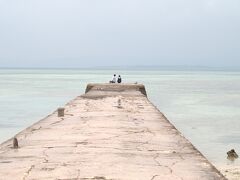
113	132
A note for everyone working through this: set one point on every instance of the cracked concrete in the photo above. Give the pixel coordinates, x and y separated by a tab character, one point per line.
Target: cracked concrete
96	140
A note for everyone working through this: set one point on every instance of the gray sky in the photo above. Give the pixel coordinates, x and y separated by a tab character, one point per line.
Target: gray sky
80	33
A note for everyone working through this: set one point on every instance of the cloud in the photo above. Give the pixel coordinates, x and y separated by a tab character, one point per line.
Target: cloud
91	33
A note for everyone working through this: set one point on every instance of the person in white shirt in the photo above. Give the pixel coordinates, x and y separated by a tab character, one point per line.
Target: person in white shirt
114	79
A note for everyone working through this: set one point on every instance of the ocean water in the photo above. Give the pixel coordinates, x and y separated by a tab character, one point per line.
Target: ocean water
203	105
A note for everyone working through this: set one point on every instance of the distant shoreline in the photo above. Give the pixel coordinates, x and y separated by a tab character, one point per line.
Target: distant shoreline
133	68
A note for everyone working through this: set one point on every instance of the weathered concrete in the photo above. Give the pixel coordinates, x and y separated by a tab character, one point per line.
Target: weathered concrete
61	112
111	132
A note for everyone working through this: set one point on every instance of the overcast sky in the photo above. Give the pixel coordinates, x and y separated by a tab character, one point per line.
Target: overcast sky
83	33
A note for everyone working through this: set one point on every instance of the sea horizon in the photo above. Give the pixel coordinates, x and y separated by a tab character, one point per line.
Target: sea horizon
140	68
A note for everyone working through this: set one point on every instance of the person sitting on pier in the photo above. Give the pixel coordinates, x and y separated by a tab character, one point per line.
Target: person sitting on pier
114	79
119	79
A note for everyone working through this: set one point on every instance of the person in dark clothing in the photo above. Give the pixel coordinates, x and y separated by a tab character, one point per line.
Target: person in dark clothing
119	79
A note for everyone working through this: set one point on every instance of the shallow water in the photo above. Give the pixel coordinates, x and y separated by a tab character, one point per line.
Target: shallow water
203	105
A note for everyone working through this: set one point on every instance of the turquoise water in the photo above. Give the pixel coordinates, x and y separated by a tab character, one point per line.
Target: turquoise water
203	105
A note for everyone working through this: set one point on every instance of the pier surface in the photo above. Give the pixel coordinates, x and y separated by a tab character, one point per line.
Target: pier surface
112	132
